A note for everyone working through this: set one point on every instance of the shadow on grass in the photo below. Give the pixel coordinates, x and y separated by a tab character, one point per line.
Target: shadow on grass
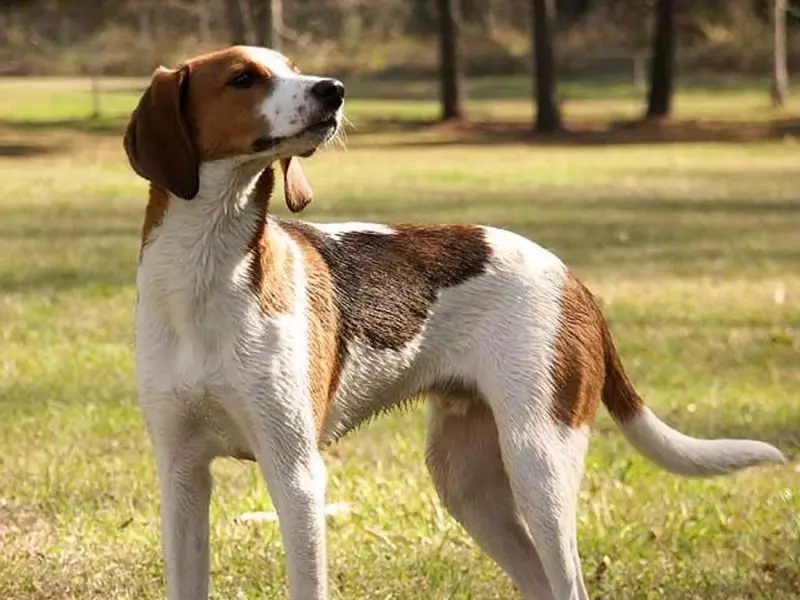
625	235
489	133
586	134
27	150
66	278
100	126
766	579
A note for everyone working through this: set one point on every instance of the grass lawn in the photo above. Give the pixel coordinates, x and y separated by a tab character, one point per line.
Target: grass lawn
694	249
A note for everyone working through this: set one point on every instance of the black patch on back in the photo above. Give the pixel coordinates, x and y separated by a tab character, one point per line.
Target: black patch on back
386	284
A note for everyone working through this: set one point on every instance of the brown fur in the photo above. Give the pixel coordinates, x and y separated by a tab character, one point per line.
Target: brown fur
222	119
579	369
157	205
619	395
325	358
192	114
385	285
272	267
587	364
157	141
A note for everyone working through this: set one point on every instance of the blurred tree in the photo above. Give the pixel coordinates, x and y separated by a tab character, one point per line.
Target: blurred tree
450	67
548	115
236	22
267	16
421	18
662	62
780	72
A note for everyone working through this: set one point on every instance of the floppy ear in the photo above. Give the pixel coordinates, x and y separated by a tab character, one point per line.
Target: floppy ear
296	190
158	142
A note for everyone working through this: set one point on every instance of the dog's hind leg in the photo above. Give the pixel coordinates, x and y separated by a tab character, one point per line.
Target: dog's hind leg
544	461
463	457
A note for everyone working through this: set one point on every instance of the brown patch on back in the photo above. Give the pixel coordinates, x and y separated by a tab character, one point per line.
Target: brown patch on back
386	284
157	205
378	289
586	363
323	329
272	267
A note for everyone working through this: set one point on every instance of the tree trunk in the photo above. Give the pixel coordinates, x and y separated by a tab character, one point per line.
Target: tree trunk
548	115
662	62
452	88
236	24
780	72
267	18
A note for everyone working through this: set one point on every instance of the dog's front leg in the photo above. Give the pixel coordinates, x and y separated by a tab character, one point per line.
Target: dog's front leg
296	479
185	485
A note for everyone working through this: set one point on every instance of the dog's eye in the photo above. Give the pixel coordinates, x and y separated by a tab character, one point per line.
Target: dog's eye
244	80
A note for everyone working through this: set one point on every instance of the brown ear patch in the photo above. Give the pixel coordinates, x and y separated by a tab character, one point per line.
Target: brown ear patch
578	369
296	189
158	140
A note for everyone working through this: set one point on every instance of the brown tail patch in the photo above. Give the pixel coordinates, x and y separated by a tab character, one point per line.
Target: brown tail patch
619	395
578	370
587	366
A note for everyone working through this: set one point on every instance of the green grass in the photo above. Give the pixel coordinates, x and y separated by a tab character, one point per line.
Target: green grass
693	248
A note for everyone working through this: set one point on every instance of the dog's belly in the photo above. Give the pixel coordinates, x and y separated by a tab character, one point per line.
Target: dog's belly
441	357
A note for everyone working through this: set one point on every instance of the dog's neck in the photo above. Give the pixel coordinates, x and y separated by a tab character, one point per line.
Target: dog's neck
231	186
199	256
229	209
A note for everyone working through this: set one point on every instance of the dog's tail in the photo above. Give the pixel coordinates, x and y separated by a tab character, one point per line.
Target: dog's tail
665	446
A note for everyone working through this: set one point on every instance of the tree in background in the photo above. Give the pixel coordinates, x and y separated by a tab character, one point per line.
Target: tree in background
236	22
254	22
780	73
662	62
548	115
267	16
450	66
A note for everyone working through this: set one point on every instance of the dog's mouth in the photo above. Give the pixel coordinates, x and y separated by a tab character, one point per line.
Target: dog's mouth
317	133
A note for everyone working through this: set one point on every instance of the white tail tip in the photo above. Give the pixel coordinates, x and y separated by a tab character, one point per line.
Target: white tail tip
693	457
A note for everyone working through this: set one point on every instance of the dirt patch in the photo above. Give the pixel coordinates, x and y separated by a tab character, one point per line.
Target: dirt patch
23	531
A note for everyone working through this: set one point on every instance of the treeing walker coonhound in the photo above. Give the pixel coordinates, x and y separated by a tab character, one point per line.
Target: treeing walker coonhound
267	339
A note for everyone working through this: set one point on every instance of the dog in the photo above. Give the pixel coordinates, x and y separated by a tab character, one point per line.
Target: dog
267	339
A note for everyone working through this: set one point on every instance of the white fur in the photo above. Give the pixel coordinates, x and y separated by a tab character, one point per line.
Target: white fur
337	229
214	372
692	457
290	101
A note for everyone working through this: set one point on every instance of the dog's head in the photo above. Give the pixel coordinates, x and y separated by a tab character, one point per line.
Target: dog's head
248	104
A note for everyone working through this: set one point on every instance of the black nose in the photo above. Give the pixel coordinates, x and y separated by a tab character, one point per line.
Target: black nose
330	92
